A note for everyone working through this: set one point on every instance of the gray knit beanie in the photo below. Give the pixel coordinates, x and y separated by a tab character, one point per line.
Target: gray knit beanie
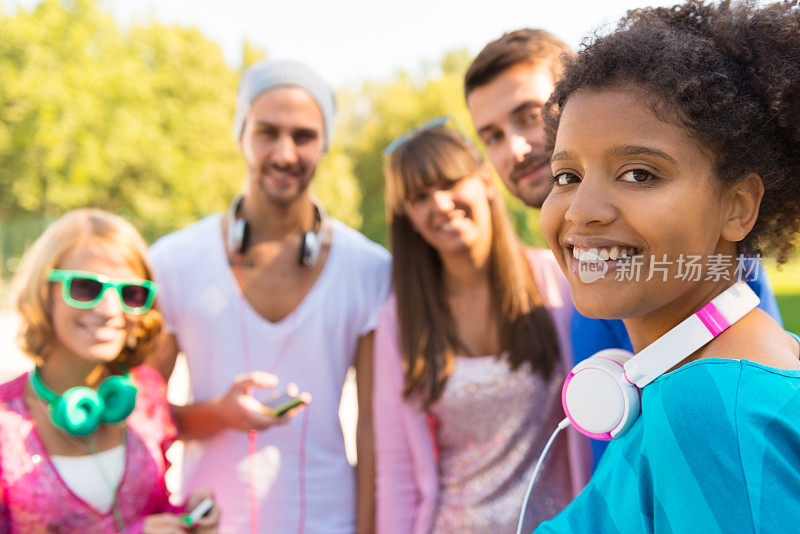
270	73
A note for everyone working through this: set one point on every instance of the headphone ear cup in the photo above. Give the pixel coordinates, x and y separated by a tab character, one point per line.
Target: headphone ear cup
598	398
118	395
245	236
309	249
78	411
240	233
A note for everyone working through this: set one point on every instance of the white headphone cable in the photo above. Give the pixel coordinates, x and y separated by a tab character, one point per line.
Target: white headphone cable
561	426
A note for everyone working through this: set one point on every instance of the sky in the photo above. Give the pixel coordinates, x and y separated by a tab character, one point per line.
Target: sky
348	41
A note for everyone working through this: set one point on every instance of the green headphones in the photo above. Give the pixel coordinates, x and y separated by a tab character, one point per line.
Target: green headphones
80	410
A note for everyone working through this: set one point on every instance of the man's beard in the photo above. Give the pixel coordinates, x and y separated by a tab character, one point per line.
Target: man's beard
532	161
300	173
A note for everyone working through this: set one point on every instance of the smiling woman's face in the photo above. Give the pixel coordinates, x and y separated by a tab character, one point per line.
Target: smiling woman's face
96	335
628	183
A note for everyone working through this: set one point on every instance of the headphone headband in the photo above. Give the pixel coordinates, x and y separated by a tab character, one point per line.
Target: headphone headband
601	395
310	242
46	394
691	334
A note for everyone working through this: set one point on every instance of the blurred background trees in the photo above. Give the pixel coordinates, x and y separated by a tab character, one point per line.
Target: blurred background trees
138	121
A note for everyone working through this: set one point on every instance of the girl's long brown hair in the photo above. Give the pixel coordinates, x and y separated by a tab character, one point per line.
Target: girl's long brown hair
428	338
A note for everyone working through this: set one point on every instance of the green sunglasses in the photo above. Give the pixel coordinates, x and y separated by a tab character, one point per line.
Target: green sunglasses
84	290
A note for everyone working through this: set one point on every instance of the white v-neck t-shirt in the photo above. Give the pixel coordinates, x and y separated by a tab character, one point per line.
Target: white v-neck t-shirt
295	470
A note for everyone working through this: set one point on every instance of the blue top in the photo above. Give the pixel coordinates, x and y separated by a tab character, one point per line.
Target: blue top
716	450
590	336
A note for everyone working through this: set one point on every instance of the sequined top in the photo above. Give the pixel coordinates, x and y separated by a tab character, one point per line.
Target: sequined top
426	474
35	498
491	426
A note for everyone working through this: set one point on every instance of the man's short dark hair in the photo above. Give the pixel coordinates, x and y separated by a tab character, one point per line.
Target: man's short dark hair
526	45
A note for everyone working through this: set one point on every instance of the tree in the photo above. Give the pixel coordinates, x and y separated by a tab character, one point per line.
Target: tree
138	122
133	122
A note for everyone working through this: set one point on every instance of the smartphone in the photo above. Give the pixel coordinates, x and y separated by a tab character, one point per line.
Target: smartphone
199	511
280	405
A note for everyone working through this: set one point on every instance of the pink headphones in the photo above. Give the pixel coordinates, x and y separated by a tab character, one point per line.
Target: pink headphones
601	395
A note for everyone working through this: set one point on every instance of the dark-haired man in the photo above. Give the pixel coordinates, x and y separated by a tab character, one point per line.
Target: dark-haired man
506	87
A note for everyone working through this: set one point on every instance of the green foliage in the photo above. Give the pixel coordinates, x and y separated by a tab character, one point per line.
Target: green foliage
789	306
336	186
134	122
251	53
138	121
386	110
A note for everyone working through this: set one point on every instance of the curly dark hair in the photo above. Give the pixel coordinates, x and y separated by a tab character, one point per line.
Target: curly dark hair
730	75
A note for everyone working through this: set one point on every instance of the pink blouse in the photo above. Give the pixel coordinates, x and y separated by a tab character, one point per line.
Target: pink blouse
407	470
35	498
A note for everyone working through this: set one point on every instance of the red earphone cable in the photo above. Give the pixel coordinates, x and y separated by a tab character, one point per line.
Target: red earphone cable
301	522
304	275
251	436
251	440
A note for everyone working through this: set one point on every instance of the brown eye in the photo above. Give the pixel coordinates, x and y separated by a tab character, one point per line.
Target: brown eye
532	117
417	197
565	178
492	138
636	176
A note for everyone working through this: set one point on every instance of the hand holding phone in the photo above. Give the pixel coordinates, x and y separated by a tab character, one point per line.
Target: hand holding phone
279	406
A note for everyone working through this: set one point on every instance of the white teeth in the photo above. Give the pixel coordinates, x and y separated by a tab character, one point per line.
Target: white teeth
627	252
602	254
451	224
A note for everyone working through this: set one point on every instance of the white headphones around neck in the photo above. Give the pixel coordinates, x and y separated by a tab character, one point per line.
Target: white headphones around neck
310	242
601	395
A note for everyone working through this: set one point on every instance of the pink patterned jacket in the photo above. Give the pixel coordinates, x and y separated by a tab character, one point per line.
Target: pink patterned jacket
35	499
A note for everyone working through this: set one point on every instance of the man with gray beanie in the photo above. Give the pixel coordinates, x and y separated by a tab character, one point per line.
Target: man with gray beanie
274	288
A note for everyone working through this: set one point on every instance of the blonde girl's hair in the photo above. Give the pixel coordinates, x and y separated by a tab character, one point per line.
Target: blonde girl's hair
30	288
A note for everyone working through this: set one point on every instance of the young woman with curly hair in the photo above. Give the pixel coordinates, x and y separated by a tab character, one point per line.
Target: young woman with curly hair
678	135
83	436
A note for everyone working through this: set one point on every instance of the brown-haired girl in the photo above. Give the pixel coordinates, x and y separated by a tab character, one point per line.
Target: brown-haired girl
472	342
